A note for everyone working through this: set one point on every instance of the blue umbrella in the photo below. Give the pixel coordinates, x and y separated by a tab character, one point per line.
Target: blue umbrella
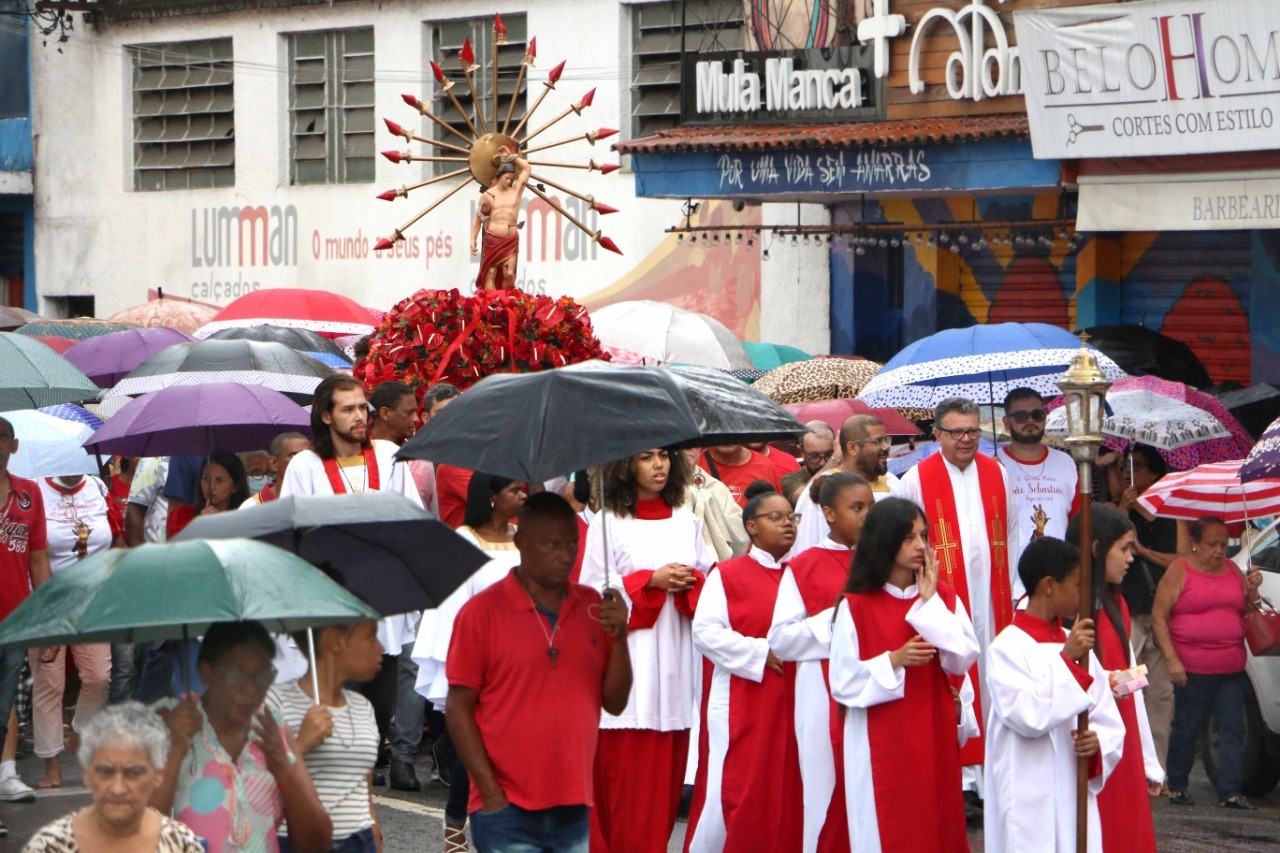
982	363
75	414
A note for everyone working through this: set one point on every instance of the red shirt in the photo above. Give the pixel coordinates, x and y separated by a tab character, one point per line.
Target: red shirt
738	477
539	724
781	460
22	530
451	492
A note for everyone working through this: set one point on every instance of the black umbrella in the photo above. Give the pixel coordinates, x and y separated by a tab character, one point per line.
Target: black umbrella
588	414
730	411
385	550
1143	352
301	340
1255	407
270	365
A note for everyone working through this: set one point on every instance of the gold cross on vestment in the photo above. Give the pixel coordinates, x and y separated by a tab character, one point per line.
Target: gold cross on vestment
944	542
999	544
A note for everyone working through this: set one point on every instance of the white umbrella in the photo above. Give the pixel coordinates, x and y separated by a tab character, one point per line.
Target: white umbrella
1146	417
49	446
665	333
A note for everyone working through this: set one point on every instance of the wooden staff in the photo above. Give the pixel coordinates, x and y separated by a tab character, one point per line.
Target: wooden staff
529	54
1086	612
398	234
550	83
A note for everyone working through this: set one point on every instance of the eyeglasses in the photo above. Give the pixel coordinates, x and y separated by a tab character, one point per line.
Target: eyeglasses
778	517
818	456
236	679
957	434
1036	415
882	441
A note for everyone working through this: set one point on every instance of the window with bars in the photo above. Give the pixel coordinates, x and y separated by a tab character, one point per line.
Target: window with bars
659	30
183	115
331	117
447	38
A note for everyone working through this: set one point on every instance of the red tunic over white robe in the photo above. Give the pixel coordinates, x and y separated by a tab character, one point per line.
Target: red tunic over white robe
901	745
308	474
801	632
1036	695
748	794
642	752
813	527
1124	805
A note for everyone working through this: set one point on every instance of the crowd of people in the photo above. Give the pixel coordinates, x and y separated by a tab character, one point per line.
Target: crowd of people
831	657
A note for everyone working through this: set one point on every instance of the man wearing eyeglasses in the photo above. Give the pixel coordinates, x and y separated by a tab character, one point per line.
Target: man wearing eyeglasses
817	446
865	448
1043	481
972	527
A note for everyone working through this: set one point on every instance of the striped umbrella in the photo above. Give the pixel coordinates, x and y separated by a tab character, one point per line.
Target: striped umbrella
1214	489
32	375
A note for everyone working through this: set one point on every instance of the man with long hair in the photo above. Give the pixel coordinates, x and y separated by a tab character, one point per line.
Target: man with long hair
343	459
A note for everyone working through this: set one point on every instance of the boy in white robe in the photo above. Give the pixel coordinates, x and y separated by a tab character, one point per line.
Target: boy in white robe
1037	691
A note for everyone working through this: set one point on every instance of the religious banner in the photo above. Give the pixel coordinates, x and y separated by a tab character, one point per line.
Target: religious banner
1135	79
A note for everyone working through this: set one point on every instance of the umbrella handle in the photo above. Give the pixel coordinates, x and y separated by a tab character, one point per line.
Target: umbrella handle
315	678
604	527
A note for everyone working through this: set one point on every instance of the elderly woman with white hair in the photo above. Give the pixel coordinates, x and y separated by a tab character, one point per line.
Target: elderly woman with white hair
122	753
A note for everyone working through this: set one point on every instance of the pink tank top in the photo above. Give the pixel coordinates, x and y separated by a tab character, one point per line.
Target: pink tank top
1206	623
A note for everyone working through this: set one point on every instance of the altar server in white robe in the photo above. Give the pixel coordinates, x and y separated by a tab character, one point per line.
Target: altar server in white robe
1037	691
656	562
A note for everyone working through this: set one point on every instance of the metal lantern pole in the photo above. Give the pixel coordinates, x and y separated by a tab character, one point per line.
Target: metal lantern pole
1085	389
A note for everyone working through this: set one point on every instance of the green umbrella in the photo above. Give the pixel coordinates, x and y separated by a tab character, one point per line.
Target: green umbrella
32	375
75	328
177	590
768	356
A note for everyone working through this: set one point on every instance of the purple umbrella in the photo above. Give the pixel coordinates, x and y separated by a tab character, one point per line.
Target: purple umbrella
191	420
107	359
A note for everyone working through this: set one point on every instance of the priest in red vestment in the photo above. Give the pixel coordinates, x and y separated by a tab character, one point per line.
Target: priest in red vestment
967	501
748	794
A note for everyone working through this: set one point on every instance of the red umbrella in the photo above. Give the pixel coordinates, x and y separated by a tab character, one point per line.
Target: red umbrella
55	343
330	314
834	413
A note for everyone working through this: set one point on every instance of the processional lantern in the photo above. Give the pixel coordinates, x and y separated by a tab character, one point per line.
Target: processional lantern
1084	388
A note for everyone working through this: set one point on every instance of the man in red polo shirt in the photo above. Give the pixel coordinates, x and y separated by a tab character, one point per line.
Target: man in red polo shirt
532	661
24	565
738	466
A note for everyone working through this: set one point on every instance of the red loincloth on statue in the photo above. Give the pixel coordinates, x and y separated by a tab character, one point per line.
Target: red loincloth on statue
497	250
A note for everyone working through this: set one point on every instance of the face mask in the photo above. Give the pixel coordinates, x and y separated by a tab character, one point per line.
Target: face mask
258	483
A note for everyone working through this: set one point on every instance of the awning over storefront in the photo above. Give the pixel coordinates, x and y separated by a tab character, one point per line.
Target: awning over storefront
817	162
1198	193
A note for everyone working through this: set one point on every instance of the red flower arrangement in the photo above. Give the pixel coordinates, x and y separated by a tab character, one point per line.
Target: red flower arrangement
442	336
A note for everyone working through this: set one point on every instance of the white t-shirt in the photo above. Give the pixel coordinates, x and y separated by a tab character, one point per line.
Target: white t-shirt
147	489
87	503
1044	493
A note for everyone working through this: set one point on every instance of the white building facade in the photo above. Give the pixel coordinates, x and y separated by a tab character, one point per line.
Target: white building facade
220	148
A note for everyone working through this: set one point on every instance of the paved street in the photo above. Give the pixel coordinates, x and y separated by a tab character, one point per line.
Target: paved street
411	822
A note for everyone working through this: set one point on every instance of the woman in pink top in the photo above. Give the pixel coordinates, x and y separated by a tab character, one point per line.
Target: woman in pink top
1198	622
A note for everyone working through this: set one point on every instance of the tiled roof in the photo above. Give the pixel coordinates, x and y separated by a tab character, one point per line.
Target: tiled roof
848	135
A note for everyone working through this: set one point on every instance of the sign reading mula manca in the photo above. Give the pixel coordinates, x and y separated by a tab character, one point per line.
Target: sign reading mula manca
832	84
1136	79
